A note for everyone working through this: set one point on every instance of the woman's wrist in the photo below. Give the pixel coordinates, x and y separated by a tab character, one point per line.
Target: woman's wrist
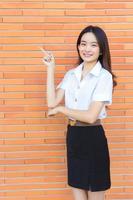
51	68
62	109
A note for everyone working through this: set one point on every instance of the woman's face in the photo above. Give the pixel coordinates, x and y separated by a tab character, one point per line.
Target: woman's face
88	48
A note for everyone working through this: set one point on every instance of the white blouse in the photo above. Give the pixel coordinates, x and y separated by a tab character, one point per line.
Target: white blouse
97	85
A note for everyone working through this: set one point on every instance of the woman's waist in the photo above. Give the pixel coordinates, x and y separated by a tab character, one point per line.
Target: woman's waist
73	122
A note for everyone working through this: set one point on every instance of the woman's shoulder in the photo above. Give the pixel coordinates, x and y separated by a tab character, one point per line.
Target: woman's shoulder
69	72
105	73
73	70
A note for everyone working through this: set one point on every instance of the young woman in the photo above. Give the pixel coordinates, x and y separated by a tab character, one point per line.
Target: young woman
87	90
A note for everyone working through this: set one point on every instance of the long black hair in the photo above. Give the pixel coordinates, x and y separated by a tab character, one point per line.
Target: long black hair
104	57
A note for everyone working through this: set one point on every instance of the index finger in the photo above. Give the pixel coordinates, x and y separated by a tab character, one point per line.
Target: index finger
44	51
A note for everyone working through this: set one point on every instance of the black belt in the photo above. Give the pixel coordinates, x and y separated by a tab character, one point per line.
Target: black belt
79	123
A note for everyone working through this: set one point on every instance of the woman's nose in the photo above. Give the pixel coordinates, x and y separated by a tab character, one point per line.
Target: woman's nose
88	48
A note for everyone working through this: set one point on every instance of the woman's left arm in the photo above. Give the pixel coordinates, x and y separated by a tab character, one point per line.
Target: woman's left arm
88	116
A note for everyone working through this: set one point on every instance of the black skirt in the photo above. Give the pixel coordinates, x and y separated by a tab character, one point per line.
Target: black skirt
88	158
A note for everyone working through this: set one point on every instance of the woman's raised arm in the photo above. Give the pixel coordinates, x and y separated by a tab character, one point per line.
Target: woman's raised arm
54	97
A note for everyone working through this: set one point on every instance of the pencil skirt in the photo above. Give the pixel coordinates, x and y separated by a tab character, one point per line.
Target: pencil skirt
88	160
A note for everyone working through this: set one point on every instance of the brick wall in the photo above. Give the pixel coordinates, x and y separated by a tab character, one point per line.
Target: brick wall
32	146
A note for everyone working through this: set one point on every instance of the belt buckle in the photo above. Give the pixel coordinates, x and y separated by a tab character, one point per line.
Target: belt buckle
72	122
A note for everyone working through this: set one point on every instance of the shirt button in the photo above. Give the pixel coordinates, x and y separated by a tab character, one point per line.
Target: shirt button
78	87
75	100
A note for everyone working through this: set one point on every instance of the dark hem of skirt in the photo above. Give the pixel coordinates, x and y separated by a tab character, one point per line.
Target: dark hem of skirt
90	189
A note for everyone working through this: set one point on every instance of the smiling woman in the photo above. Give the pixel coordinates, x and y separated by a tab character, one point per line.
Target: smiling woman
87	90
88	50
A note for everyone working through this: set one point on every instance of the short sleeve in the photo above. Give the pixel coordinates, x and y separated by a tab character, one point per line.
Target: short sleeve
64	83
103	90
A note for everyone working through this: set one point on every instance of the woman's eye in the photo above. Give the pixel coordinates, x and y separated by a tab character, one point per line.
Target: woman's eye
94	45
82	44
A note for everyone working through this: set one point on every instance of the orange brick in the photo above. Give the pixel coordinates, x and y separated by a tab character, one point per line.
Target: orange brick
26	88
26	101
125	79
41	12
24	141
23	75
10	162
44	121
123	12
25	34
47	148
128	46
42	134
36	155
9	26
10	12
44	173
11	95
21	47
1	75
22	20
58	5
25	115
123	66
20	5
33	81
120	0
34	108
105	5
11	198
121	93
11	108
124	73
29	40
51	0
12	81
112	19
35	95
84	13
7	122
122	53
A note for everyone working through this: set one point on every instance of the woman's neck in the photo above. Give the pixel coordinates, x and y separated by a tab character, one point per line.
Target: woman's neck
86	69
88	66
